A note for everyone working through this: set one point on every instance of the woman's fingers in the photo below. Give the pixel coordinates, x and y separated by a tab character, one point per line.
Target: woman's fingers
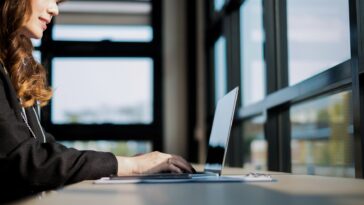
155	162
181	164
190	168
172	167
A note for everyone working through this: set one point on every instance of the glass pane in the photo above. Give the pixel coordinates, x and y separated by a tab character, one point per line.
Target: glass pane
318	36
322	136
104	21
252	59
218	4
119	148
255	146
37	55
102	90
220	68
36	42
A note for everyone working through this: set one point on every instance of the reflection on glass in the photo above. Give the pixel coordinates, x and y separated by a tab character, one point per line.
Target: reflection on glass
220	68
103	32
120	148
255	146
318	36
322	136
252	59
218	4
102	90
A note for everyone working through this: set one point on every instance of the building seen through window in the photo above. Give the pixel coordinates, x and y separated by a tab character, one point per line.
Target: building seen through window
322	136
113	90
252	59
255	147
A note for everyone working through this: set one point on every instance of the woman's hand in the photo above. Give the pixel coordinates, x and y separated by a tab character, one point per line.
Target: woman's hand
152	162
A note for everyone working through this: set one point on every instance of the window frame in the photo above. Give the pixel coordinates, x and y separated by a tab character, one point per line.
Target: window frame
153	132
279	95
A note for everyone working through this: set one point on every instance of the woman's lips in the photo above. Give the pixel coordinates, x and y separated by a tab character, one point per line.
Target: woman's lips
44	23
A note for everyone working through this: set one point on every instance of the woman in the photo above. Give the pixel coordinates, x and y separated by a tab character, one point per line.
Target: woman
30	159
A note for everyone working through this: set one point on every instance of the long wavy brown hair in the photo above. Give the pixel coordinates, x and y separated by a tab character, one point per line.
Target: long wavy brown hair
27	75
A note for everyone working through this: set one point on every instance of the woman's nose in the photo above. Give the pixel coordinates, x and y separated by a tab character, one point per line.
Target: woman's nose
53	9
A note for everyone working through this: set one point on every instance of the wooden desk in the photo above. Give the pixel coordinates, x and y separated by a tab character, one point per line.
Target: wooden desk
288	189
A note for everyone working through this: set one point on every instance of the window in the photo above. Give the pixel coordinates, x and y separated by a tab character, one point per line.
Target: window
322	136
218	4
37	55
118	148
254	144
112	90
104	21
105	62
318	36
298	63
220	68
252	59
36	42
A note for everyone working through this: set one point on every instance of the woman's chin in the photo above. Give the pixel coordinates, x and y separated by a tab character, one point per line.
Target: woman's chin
36	35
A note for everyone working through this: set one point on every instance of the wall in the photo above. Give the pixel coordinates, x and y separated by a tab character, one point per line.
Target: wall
174	77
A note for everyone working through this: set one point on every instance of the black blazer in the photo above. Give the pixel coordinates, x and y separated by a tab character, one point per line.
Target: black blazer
29	165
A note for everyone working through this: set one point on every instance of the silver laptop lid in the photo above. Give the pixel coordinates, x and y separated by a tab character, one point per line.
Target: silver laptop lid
220	132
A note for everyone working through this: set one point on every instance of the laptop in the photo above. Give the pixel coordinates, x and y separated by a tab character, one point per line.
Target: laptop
217	147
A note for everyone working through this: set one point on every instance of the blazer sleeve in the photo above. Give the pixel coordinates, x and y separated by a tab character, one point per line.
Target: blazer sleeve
33	165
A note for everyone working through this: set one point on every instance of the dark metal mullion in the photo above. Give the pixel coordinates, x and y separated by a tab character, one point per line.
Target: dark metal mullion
236	81
213	30
227	28
270	45
209	67
157	22
278	123
104	48
251	110
271	125
233	36
330	80
284	122
46	56
270	128
359	129
233	5
360	33
212	35
357	86
105	132
234	52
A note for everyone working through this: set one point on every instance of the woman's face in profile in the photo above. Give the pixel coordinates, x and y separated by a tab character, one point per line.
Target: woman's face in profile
41	16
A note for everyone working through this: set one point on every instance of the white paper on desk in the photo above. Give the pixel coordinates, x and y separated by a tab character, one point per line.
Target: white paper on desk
205	179
234	178
245	178
106	180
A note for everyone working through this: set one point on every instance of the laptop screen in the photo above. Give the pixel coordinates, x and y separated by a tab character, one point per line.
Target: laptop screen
220	132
